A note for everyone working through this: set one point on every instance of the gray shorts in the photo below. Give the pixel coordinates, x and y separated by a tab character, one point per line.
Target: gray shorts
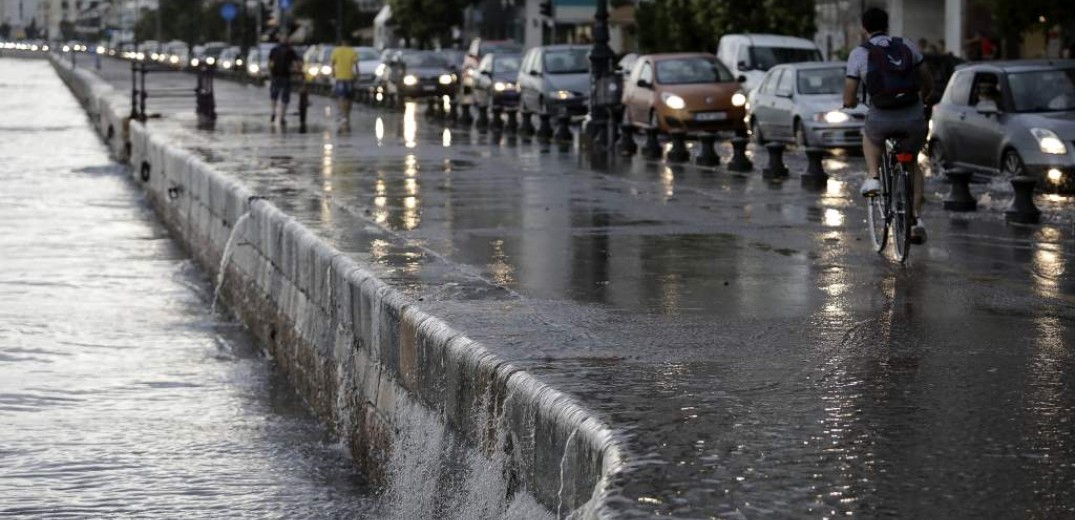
883	123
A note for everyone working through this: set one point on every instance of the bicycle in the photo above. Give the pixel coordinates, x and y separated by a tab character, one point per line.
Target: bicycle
893	208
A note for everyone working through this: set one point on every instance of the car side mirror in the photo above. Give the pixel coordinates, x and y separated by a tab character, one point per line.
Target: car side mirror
741	79
987	108
487	73
743	65
784	94
535	73
643	84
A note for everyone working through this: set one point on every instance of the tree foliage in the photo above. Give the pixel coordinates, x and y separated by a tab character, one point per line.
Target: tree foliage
323	17
1015	17
697	25
423	22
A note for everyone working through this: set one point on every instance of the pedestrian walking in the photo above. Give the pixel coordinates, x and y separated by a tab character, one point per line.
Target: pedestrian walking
283	62
344	61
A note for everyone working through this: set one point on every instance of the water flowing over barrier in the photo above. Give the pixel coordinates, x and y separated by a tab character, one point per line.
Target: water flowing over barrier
450	429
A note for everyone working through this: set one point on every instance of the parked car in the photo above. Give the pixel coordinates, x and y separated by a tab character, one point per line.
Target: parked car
555	79
801	103
319	65
414	74
751	55
1009	118
208	54
477	50
495	83
687	91
177	54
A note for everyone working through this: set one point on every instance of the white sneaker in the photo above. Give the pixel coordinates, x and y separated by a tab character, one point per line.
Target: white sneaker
871	188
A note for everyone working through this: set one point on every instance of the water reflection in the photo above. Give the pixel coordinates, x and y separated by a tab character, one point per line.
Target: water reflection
410	125
378	130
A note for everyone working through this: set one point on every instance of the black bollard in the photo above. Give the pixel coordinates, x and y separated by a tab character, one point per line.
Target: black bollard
740	162
652	148
465	118
776	169
708	155
563	129
1022	209
527	126
483	120
959	197
512	126
544	132
627	146
431	109
453	113
814	176
678	153
497	122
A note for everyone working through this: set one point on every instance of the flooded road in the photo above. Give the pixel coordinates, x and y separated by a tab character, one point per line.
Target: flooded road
762	360
121	394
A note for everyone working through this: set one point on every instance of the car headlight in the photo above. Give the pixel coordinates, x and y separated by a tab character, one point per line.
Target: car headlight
738	99
174	59
226	64
1049	142
253	68
194	62
832	117
326	70
210	60
564	94
66	48
499	86
100	50
238	63
445	79
410	80
673	101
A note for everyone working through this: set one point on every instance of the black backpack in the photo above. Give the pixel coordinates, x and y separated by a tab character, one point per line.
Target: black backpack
891	78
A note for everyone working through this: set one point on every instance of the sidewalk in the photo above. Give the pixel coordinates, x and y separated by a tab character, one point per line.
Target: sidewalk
763	360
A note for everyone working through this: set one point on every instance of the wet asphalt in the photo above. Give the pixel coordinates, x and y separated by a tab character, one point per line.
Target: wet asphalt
761	358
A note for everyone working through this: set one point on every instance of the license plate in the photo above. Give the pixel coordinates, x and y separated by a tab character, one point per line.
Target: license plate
711	116
429	88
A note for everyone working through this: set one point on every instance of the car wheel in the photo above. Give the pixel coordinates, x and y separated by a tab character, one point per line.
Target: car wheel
1012	165
755	130
801	139
937	161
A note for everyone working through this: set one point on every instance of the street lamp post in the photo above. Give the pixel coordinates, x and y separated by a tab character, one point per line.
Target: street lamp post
602	88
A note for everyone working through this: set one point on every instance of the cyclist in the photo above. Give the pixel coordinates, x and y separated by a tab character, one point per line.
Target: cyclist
894	80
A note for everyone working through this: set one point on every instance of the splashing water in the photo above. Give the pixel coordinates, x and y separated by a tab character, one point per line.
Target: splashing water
224	257
563	468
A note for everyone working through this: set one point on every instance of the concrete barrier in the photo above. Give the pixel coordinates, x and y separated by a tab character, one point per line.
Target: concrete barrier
358	351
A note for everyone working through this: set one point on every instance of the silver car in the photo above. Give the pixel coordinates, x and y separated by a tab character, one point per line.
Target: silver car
1009	118
800	102
555	79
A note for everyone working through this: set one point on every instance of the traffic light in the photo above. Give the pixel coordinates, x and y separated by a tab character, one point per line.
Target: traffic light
546	8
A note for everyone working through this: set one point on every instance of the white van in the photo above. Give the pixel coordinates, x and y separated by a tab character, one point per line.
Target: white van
751	55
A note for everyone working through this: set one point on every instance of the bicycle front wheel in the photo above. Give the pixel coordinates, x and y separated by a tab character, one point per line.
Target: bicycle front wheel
902	213
878	224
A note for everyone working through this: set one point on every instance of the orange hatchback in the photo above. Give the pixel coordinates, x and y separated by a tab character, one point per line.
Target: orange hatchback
690	92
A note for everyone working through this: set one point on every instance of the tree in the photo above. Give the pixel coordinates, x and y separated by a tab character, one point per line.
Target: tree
322	14
1013	18
421	22
697	25
5	31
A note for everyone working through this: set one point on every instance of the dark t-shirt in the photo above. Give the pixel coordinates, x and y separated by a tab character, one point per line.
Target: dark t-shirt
282	60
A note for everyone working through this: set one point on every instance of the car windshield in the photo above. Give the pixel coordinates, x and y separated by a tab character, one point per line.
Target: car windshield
506	64
679	71
1043	90
368	55
821	81
766	58
496	47
567	61
424	59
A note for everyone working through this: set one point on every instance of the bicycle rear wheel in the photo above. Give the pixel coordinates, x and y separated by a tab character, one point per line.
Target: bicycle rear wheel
902	193
878	224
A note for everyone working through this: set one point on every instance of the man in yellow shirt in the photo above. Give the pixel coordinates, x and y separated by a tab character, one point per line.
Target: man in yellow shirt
344	61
